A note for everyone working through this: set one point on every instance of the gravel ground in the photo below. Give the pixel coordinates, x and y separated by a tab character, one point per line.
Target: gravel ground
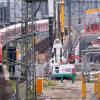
66	90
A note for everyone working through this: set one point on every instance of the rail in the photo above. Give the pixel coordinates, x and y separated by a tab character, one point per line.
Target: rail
5	91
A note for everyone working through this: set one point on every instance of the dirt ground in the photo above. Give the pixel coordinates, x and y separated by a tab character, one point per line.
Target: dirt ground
55	90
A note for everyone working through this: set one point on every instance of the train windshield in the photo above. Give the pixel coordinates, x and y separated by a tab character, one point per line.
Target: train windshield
95	58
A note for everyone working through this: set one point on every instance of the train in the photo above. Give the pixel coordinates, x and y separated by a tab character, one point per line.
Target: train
15	30
0	55
58	65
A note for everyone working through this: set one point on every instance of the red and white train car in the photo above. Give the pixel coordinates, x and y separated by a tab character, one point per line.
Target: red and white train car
0	54
14	31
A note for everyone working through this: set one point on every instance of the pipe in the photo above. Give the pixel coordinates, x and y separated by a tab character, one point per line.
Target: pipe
62	17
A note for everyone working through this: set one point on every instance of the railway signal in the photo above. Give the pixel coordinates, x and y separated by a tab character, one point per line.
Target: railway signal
29	11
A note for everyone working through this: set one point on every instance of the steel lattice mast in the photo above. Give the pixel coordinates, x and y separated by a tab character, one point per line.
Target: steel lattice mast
28	16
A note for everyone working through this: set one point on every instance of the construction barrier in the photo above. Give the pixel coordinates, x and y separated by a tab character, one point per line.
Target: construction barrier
98	87
39	86
83	87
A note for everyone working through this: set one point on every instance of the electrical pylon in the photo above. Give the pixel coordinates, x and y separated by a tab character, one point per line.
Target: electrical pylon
28	15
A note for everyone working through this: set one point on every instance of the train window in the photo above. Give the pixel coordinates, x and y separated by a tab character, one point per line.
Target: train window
36	27
44	27
39	28
57	71
19	30
95	58
56	67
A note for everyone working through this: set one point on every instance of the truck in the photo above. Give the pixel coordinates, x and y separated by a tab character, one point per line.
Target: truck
63	71
58	65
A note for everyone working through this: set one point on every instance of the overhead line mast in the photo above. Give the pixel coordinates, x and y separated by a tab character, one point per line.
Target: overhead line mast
28	10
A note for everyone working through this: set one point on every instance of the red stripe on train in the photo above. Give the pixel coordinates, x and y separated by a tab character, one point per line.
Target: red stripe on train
0	54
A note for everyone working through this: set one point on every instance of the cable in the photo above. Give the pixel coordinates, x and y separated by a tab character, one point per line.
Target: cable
37	9
34	15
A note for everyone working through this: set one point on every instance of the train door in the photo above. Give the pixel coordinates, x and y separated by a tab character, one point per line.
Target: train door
11	60
0	55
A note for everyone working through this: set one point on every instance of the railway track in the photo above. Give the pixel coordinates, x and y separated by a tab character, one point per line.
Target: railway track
5	89
40	47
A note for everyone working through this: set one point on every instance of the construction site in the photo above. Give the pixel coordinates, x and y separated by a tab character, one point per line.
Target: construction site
49	50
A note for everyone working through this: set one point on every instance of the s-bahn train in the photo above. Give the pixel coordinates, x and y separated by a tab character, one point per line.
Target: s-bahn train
57	64
0	55
15	30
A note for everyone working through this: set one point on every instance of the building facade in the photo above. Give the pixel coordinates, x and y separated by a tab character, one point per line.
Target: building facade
10	11
4	16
